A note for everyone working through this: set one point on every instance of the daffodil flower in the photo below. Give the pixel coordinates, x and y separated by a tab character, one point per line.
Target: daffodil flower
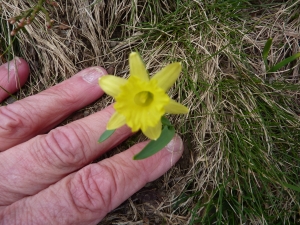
140	101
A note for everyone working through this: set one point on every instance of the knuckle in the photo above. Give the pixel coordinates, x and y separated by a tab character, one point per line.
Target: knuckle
63	147
93	188
13	120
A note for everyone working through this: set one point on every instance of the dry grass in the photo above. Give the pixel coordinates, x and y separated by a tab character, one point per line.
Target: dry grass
242	134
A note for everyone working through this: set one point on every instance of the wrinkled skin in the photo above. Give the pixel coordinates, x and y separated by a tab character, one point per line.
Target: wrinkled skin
46	175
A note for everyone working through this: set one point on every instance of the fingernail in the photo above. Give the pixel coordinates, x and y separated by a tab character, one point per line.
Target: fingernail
13	64
93	75
175	145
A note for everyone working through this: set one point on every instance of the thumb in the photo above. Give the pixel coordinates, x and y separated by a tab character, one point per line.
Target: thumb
87	196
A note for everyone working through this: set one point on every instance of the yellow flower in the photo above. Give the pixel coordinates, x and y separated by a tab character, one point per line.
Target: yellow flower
140	101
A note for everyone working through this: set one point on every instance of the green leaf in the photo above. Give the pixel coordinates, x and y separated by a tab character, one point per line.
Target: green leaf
284	62
106	134
266	51
165	121
153	147
293	187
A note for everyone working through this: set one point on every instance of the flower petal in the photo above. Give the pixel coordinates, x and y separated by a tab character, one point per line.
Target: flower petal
111	84
117	120
176	108
153	132
137	67
167	76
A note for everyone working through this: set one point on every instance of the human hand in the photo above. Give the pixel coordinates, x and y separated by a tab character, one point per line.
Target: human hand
48	178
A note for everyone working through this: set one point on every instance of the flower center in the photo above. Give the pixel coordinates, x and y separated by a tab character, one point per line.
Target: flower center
143	98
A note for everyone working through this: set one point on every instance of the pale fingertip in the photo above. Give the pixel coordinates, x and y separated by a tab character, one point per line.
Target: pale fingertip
93	74
13	75
17	66
175	145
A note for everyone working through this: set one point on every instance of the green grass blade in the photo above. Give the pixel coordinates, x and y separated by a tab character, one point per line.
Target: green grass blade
153	147
266	51
106	134
293	187
284	62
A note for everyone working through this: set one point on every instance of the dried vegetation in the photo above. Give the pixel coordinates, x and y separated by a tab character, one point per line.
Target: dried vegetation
241	164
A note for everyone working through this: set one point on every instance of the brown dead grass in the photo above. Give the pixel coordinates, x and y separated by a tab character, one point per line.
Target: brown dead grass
85	35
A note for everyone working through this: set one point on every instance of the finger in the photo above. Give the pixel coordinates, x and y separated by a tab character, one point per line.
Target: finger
34	165
37	114
87	196
13	75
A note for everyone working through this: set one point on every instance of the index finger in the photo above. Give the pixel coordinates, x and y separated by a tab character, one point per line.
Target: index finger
39	113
